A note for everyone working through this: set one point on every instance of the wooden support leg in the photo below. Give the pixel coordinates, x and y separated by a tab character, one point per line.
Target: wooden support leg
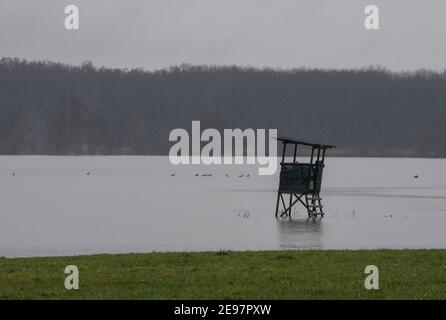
284	206
307	206
277	204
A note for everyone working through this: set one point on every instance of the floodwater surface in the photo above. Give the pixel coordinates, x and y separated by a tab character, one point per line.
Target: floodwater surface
118	204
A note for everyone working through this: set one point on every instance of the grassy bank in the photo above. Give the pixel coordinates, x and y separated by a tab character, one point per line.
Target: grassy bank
404	274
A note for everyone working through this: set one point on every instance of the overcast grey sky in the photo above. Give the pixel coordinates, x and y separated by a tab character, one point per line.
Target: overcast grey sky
153	34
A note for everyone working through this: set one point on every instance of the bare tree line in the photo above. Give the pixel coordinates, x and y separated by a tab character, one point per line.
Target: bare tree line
52	108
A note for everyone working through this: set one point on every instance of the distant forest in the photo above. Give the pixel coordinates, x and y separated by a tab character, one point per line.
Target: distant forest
53	108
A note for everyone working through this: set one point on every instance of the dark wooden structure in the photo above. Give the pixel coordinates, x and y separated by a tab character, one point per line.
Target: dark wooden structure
301	181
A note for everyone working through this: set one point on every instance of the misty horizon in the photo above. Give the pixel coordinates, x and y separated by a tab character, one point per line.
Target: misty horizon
88	62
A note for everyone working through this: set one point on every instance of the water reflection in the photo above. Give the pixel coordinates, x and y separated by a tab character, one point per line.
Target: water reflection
300	232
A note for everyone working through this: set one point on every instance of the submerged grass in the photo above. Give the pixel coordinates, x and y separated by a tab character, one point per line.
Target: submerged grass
404	274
